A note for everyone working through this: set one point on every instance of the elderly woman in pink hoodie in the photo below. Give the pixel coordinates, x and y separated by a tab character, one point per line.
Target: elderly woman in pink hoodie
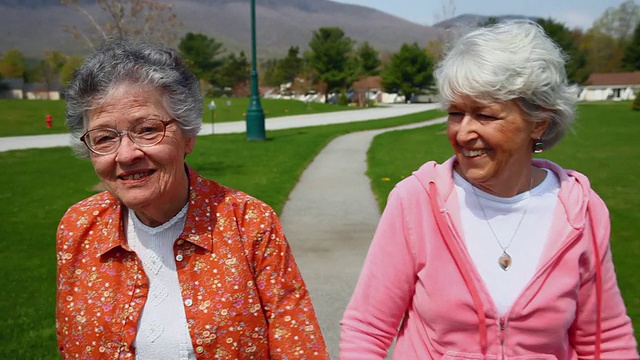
493	254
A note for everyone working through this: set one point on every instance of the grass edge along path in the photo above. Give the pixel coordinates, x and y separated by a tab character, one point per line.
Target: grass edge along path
43	183
27	117
603	146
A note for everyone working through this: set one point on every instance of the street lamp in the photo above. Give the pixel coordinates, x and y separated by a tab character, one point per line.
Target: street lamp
255	114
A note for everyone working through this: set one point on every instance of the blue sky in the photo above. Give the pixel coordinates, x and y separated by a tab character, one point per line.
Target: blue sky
573	13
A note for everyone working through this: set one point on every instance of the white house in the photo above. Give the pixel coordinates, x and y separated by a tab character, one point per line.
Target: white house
18	89
14	88
611	86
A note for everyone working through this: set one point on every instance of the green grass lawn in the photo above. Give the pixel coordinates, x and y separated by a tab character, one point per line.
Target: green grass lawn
27	117
603	146
38	185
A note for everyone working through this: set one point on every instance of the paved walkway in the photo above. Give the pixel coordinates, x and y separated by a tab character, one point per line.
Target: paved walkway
275	123
329	220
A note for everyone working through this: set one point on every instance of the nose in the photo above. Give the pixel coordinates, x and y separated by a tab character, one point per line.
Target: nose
466	130
128	151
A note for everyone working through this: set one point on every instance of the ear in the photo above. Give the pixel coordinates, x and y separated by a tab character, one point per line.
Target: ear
539	128
189	144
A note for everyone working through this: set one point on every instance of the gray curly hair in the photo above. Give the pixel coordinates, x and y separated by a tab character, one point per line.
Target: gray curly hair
133	62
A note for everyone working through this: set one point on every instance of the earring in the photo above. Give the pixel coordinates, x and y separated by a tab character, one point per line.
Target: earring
538	146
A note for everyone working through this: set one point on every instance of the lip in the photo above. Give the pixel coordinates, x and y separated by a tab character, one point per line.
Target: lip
472	153
136	175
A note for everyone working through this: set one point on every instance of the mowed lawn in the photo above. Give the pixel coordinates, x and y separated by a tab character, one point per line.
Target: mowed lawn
604	146
38	185
27	117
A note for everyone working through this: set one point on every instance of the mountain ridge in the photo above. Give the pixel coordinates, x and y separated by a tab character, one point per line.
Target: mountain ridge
35	26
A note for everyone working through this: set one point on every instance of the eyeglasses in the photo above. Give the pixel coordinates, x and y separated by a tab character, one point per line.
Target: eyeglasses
105	141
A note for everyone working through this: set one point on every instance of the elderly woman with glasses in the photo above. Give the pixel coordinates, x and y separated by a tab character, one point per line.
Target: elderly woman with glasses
166	264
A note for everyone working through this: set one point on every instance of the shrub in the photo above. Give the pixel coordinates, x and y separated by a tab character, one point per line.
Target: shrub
343	99
636	103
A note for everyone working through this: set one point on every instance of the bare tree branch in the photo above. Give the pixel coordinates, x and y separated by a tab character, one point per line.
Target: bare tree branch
126	18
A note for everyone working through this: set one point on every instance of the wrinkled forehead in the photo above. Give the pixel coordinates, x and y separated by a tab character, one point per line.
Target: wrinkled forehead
127	99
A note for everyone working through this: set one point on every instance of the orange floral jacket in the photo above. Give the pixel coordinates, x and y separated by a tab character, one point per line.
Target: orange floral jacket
243	294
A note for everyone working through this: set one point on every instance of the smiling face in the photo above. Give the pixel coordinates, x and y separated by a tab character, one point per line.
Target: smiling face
149	180
493	144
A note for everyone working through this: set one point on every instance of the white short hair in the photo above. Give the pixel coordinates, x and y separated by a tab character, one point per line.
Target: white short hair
513	60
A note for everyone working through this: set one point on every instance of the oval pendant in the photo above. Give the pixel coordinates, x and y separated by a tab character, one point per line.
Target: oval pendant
505	261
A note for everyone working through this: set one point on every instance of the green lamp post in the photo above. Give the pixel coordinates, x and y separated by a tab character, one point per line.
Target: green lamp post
255	114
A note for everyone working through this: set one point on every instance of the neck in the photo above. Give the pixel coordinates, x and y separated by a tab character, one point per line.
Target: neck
531	177
156	214
159	215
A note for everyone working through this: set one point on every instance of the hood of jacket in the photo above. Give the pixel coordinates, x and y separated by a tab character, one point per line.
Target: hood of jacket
574	192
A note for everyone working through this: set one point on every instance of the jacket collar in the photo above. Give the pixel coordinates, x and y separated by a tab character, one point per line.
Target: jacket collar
198	226
574	192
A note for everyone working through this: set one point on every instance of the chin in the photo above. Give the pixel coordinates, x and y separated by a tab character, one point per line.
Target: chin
474	176
134	200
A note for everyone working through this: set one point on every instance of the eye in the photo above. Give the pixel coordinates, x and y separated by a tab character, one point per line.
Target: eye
456	116
102	137
148	129
486	117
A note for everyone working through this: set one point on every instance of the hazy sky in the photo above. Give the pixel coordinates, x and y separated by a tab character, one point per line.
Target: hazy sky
573	13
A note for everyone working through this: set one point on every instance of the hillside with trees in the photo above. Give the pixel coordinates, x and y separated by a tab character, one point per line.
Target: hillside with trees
326	60
36	26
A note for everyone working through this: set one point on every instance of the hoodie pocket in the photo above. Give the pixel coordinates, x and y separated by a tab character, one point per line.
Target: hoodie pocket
456	355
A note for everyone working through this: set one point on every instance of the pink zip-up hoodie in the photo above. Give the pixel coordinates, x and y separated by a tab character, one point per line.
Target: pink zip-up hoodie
419	283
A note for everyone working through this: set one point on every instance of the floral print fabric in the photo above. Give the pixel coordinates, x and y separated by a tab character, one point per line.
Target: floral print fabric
242	292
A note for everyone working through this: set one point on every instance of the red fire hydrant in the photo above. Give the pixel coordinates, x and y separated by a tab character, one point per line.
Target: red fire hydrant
49	120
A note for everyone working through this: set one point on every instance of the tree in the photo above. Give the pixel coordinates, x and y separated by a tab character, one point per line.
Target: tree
234	71
13	64
619	22
289	67
603	52
631	59
66	72
606	41
329	58
49	69
201	54
435	49
410	71
635	105
153	20
566	39
3	85
267	71
368	60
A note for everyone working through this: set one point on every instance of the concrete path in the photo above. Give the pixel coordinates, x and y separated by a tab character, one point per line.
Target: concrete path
329	220
275	123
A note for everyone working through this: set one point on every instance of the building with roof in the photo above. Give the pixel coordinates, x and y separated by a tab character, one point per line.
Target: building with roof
17	88
611	86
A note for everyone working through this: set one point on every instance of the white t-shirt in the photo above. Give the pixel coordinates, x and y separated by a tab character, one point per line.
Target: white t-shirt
162	331
504	214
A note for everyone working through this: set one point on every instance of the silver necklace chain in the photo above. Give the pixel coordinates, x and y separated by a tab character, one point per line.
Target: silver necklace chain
504	260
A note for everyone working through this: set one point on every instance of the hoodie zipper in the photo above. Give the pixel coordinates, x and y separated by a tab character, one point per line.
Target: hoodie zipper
502	323
503	327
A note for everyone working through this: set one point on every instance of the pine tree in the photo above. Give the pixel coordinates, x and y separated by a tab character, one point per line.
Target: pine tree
631	59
